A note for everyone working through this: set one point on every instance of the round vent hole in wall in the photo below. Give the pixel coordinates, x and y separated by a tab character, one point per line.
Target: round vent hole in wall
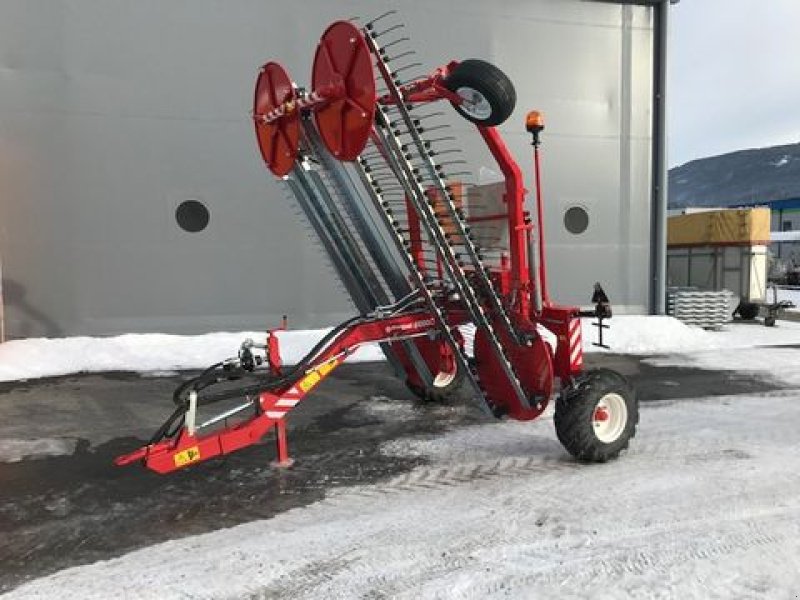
576	219
192	216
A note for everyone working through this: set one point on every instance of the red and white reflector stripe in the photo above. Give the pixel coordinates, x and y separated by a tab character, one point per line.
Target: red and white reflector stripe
283	405
287	402
575	345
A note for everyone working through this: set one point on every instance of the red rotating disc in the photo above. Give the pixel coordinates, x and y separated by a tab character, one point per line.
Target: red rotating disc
343	71
278	140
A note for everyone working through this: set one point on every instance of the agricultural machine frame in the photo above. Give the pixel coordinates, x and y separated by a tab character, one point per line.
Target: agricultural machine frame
373	176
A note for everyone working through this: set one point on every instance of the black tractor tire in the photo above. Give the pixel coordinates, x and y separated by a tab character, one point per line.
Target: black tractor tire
747	310
489	94
575	416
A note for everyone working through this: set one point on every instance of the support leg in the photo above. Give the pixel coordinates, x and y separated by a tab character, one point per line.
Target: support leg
283	460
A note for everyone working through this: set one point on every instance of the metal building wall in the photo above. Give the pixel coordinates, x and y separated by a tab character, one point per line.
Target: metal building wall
113	112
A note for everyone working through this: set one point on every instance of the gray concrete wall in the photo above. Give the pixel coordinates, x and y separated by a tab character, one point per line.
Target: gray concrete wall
113	112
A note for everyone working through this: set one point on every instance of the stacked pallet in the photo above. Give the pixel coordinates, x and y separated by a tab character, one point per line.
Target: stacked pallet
707	309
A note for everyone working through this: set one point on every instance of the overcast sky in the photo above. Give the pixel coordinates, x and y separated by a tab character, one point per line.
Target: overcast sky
734	76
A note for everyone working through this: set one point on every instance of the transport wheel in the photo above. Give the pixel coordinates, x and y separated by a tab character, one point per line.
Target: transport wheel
447	376
769	321
444	389
489	96
596	419
747	310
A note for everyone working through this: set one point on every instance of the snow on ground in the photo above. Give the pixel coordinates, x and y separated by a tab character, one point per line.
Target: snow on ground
163	354
14	450
706	504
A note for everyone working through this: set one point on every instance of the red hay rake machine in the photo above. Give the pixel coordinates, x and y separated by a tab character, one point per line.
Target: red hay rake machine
385	195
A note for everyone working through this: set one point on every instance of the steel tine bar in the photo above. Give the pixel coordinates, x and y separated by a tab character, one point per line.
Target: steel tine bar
385	31
447	138
406	67
388	59
388	13
393	43
419	117
432	128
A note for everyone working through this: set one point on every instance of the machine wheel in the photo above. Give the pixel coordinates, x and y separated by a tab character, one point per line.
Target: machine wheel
442	390
489	96
769	321
596	420
747	310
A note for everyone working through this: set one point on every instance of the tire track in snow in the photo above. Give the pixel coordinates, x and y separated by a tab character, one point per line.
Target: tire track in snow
679	548
445	476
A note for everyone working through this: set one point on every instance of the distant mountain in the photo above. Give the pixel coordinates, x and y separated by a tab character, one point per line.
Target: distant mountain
743	177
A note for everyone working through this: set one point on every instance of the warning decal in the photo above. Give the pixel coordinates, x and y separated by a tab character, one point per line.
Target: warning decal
187	456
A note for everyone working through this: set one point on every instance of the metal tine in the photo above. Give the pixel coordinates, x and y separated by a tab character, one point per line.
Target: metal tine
388	59
455	173
390	187
437	113
385	31
415	152
379	167
457	161
392	107
447	138
400	40
407	79
432	128
388	13
446	151
405	68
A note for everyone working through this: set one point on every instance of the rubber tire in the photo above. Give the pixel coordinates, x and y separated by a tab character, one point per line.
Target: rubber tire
747	310
769	321
489	81
438	395
575	409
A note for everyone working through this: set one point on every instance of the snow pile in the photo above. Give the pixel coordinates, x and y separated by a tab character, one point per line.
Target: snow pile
665	335
634	334
161	354
151	352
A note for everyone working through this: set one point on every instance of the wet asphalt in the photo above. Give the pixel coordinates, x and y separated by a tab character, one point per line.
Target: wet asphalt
77	508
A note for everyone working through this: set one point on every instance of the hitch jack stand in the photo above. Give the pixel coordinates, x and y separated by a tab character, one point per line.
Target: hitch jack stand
283	461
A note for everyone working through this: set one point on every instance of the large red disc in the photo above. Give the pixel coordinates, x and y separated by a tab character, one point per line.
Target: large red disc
533	364
278	140
343	66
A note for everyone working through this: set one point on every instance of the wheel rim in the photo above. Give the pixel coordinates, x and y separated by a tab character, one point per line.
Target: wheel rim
609	418
444	378
475	104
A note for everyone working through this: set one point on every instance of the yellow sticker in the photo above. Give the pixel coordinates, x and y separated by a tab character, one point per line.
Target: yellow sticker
187	456
310	380
328	367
